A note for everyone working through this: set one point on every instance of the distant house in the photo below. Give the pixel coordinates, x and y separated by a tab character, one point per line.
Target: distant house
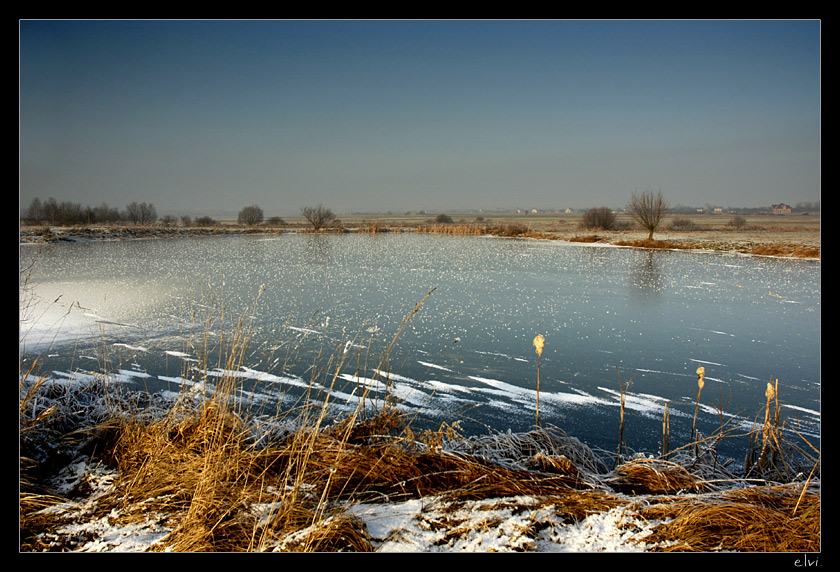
781	208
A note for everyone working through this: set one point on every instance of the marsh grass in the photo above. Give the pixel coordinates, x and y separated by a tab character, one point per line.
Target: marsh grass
205	468
796	251
508	230
34	429
776	518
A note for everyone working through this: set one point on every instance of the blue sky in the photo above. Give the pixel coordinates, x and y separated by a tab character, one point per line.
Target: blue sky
212	116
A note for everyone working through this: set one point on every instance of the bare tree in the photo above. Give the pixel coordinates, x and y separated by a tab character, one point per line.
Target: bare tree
148	213
251	215
35	211
105	213
141	213
132	212
68	213
647	209
50	210
318	216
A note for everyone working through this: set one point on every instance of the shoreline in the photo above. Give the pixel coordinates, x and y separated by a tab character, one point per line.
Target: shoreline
787	243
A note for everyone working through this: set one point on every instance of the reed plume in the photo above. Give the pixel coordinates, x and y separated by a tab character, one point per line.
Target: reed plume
539	343
770	393
701	372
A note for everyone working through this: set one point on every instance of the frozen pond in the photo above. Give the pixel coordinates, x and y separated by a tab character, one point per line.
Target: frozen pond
141	309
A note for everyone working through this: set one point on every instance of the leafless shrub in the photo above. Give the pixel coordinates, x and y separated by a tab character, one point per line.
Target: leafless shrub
318	216
601	218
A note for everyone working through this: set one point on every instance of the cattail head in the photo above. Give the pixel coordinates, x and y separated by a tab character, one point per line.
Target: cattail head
770	393
539	342
701	372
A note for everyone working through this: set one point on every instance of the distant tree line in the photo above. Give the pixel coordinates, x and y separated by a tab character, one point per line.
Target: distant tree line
67	213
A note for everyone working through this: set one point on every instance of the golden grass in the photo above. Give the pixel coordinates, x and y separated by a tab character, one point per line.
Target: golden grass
220	491
757	519
790	250
509	230
203	471
653	243
655	476
586	238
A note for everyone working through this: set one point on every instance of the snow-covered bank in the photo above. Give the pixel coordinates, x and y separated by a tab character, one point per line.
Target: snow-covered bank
576	503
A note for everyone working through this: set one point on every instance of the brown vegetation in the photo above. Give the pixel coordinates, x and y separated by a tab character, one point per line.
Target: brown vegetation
781	518
791	250
199	468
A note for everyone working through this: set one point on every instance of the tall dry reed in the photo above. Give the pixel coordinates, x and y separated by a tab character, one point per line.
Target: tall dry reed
539	344
701	372
623	394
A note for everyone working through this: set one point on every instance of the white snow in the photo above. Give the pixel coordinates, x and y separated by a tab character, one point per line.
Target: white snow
511	524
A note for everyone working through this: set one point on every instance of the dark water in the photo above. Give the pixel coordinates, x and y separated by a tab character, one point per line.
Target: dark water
150	311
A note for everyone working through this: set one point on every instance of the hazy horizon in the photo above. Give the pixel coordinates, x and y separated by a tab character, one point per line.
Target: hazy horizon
377	116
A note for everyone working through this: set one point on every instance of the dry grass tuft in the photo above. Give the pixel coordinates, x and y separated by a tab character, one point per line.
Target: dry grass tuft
756	519
654	476
510	230
586	238
791	250
652	243
373	228
452	228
